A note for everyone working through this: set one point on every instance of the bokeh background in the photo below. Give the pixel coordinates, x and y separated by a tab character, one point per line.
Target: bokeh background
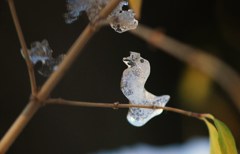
211	25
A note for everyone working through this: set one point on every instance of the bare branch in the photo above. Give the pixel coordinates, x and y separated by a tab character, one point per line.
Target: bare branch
53	80
223	74
18	126
74	51
118	105
24	47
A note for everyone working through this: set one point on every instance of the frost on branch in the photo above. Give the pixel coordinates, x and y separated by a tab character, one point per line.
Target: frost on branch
132	85
41	52
120	19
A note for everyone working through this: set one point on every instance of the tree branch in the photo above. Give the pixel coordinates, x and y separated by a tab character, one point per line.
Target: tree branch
24	47
53	80
223	74
18	126
118	105
74	51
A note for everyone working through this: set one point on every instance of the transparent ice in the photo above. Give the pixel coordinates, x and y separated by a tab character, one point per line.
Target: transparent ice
120	19
41	52
50	66
132	86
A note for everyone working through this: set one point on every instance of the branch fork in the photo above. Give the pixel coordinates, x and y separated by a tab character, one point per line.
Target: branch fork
38	97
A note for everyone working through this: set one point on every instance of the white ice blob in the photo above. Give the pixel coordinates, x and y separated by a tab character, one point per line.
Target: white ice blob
132	86
139	116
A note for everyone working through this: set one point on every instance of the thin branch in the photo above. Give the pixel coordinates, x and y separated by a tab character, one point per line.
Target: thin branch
18	126
118	105
74	51
24	47
223	74
53	80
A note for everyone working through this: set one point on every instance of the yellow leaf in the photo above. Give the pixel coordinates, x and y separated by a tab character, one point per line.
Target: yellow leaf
221	139
195	87
226	140
214	145
136	5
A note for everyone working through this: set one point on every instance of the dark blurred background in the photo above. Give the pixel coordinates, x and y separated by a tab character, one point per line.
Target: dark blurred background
206	24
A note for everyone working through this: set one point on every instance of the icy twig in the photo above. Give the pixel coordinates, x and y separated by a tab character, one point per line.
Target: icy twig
24	47
223	74
74	51
118	105
52	81
120	19
41	52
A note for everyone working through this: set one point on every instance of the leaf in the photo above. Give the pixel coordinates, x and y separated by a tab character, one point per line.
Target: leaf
136	5
195	87
221	139
214	144
225	137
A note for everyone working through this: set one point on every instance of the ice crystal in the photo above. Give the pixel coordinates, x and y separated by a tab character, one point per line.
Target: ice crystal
41	52
120	19
50	66
132	86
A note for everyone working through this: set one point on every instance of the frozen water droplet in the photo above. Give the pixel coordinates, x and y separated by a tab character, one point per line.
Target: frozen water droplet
139	116
75	7
50	66
41	52
133	80
120	19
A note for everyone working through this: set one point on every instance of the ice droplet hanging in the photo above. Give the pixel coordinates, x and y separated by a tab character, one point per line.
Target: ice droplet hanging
41	52
121	20
132	85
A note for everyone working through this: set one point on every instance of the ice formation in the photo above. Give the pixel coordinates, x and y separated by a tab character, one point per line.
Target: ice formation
41	52
120	19
132	86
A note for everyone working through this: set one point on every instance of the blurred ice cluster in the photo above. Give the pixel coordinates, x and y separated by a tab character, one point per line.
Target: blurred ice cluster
120	19
41	52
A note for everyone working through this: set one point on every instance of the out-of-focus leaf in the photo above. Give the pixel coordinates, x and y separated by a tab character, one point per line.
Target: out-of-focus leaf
195	87
221	139
136	5
214	145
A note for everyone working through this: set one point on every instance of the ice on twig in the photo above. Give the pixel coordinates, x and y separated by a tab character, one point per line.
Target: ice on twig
50	66
41	52
120	19
132	85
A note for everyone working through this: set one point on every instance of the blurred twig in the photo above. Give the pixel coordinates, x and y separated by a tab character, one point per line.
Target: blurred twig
223	74
118	105
52	81
24	47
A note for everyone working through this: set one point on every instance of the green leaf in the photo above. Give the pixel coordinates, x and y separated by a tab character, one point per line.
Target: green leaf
225	138
221	138
214	144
